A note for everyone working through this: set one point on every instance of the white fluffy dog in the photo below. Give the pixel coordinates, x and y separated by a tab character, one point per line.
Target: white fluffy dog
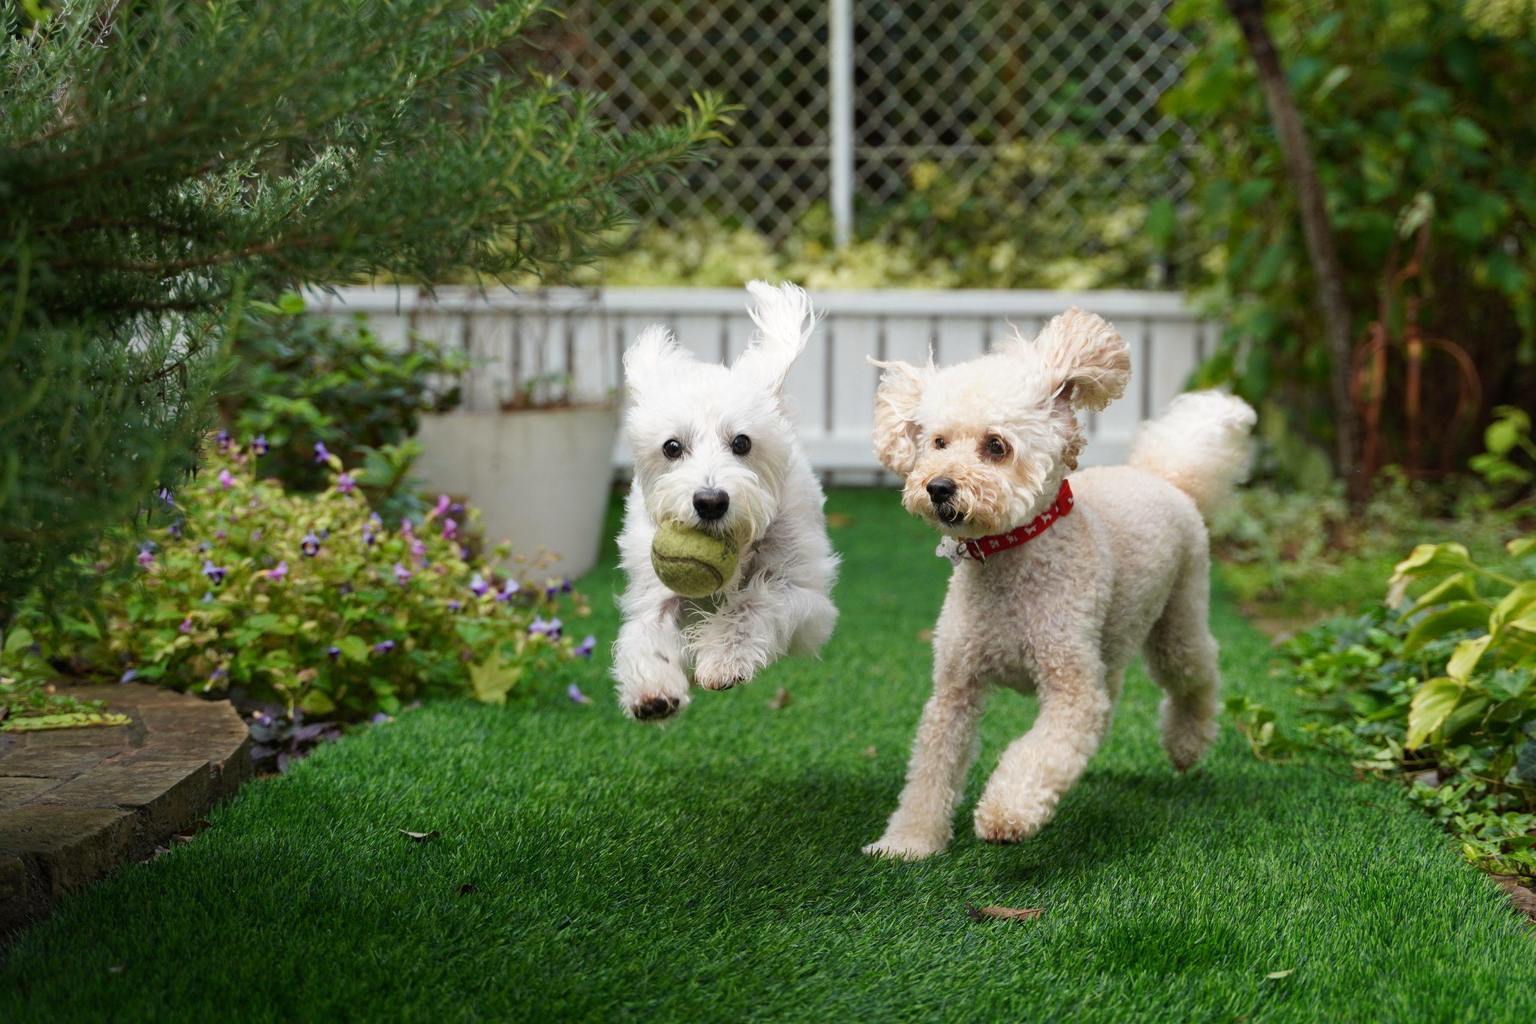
1055	588
715	449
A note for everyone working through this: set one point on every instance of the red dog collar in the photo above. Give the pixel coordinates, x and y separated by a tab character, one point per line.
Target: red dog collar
981	547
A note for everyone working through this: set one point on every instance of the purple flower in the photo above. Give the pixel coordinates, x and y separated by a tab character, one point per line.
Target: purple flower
345	484
310	545
322	453
384	647
255	536
456	510
220	535
442	506
509	588
402	574
565	585
539	627
278	571
215	573
186	625
407	527
146	556
218	674
450	529
226	479
260	446
175	529
129	676
478	586
164	494
204	548
418	550
333	651
223	438
586	647
455	605
574	692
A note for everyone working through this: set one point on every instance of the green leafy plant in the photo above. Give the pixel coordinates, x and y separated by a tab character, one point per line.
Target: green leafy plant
299	380
1437	687
1510	458
313	602
1414	112
28	701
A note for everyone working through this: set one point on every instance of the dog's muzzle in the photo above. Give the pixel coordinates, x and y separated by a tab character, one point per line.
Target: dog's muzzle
941	491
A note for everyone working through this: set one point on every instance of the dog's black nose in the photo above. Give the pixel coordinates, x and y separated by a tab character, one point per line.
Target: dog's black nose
710	503
940	490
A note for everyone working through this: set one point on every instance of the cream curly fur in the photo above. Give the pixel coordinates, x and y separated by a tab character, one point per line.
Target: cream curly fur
1063	615
779	600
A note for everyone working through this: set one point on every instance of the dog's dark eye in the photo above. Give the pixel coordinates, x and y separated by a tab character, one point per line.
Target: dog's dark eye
939	442
741	444
996	447
672	448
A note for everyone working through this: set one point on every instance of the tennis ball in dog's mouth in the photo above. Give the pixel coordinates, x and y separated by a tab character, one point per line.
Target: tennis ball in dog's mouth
691	562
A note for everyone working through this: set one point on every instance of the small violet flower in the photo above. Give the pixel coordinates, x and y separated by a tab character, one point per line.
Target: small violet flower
223	438
455	605
418	550
226	479
577	697
260	445
384	647
129	676
310	545
478	586
333	652
278	571
215	573
441	508
186	625
322	453
345	484
450	529
146	556
407	527
402	574
508	589
586	647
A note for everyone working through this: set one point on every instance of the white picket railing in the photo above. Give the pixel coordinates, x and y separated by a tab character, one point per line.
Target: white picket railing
569	342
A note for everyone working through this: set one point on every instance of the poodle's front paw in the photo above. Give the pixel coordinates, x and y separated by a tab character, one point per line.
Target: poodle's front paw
998	823
907	846
718	668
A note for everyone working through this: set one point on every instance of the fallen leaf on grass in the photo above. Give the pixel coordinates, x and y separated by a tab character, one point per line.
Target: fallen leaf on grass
838	520
780	700
925	636
1272	975
420	837
869	751
1003	913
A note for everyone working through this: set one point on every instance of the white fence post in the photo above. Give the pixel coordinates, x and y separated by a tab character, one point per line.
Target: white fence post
840	82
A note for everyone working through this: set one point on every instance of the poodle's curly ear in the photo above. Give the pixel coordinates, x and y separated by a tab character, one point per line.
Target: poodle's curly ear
896	429
654	357
784	320
1088	358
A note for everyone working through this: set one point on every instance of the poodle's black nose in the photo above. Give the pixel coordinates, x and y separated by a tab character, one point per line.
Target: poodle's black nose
710	503
940	490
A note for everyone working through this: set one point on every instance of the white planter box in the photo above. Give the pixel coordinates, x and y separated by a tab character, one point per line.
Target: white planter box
540	477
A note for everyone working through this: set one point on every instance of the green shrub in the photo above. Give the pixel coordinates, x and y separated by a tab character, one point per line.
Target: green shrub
300	379
1439	689
313	601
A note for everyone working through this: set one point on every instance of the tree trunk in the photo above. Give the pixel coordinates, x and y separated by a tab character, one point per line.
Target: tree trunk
1316	229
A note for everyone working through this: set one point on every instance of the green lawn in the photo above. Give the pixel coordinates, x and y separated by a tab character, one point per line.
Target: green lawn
710	869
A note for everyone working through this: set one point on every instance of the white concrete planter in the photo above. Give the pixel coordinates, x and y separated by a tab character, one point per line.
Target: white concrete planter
540	477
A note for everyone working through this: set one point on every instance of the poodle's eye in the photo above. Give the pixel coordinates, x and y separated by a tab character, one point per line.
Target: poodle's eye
672	448
995	447
741	444
939	442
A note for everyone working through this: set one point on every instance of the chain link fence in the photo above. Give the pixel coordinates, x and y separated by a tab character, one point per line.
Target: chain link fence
1045	110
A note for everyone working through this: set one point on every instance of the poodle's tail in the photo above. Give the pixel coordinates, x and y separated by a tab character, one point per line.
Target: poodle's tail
1200	445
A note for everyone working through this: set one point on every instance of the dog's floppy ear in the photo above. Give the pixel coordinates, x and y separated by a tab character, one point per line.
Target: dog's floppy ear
1088	359
654	357
784	321
896	399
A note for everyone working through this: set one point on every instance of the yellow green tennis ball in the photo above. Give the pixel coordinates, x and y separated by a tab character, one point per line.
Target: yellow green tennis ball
691	562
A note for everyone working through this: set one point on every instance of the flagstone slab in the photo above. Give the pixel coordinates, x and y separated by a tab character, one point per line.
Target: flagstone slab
77	803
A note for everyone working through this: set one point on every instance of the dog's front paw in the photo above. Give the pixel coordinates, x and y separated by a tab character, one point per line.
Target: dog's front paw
996	823
906	846
721	669
651	689
653	708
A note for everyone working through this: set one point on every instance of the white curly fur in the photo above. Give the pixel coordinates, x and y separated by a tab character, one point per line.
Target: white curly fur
1063	615
778	600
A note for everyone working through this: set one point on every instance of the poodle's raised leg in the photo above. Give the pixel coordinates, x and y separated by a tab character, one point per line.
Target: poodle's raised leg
1040	766
923	821
648	658
1182	659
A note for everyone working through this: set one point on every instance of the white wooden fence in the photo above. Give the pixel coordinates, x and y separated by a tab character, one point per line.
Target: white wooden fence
568	343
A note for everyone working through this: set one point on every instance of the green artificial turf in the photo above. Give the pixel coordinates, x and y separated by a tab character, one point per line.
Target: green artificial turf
710	869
